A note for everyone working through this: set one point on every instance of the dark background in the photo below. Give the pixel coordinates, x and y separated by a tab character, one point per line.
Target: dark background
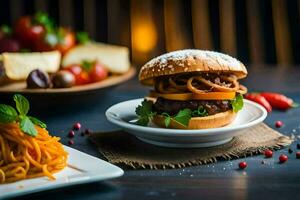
255	31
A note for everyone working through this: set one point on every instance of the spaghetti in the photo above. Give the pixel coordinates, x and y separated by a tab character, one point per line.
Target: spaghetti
23	156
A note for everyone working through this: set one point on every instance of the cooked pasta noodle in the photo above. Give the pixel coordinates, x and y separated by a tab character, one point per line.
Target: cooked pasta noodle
23	156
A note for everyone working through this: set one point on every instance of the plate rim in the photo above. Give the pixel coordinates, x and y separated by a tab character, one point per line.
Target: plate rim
86	178
180	132
111	81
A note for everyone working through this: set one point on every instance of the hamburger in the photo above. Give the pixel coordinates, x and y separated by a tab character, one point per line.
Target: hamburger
192	89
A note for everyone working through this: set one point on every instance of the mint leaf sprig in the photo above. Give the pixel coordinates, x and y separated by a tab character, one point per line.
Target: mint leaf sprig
237	103
145	114
8	115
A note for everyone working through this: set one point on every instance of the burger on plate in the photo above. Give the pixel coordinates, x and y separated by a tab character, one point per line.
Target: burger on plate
192	89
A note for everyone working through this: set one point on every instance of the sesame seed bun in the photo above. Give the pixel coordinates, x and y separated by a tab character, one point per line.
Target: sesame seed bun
211	121
190	60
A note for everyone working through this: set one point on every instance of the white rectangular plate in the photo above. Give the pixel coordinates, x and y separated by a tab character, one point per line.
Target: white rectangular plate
82	168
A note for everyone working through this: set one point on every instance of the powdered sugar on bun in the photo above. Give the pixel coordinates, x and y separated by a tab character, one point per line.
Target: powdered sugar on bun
190	60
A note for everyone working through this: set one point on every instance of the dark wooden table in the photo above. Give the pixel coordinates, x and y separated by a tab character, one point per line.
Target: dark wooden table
213	181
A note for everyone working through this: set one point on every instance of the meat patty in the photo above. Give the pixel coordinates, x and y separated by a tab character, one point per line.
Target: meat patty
172	107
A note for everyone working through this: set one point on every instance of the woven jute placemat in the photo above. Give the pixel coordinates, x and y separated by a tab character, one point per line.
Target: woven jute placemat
122	148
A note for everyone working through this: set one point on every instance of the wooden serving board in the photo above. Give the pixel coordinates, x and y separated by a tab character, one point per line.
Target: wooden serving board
20	87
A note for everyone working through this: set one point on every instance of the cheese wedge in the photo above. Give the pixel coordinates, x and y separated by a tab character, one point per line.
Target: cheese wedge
115	58
17	66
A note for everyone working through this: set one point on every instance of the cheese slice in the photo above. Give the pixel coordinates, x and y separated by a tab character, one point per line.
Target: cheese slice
17	66
115	58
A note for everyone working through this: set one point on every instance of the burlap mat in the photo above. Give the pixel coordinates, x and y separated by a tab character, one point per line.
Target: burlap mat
124	149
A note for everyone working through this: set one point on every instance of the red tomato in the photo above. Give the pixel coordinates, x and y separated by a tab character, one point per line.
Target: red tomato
81	76
27	32
65	41
98	72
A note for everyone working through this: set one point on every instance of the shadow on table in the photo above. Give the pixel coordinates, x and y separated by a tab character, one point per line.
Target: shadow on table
86	191
60	103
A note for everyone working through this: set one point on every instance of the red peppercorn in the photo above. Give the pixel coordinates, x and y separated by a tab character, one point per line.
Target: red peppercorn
268	153
71	134
77	126
278	124
298	154
71	142
283	158
242	165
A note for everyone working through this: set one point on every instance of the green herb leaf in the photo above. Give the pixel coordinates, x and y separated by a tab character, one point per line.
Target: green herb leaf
37	122
27	126
43	19
200	112
7	114
82	37
183	116
144	113
143	121
167	119
87	65
22	104
237	103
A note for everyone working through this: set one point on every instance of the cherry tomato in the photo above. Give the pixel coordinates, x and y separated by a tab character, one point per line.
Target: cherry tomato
81	76
27	32
63	40
98	72
67	43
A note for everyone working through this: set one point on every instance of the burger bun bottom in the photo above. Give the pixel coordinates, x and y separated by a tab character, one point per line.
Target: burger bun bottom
211	121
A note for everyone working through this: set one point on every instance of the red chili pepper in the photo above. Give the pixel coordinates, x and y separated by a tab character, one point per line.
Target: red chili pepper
278	101
260	100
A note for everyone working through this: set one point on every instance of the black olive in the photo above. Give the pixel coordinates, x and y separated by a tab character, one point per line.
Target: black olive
38	79
63	79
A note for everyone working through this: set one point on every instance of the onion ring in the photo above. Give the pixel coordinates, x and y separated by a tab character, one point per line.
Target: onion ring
192	88
175	85
242	89
160	88
219	87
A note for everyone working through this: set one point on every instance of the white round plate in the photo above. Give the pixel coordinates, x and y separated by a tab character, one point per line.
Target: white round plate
123	115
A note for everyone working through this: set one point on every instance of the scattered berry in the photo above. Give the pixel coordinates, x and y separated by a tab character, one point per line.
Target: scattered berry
268	153
278	124
77	126
290	151
71	142
71	134
283	158
298	146
298	154
242	165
